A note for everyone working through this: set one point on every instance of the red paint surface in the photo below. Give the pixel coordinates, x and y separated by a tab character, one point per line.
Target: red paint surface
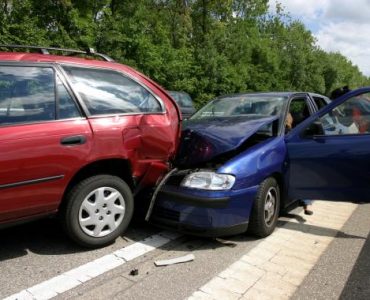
34	151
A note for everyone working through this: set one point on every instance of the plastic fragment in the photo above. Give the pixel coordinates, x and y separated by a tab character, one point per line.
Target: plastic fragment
226	242
177	260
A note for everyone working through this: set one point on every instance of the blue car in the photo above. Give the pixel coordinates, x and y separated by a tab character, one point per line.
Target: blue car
239	164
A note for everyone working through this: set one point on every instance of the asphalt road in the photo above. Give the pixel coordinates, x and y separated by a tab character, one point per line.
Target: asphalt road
343	271
35	252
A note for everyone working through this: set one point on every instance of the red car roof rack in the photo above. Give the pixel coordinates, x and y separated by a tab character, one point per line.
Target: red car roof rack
45	50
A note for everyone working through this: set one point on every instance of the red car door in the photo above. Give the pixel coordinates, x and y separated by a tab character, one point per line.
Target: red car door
43	139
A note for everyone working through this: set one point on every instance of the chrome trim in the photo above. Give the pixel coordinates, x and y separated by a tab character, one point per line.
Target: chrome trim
124	114
33	181
75	94
156	191
63	78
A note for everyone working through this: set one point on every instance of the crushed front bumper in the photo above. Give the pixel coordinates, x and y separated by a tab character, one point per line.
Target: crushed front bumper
200	212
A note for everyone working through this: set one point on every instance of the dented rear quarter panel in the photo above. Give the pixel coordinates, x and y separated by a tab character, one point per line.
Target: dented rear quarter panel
143	140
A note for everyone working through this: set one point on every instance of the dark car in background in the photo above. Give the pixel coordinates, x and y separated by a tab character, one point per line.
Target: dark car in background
79	137
238	166
185	103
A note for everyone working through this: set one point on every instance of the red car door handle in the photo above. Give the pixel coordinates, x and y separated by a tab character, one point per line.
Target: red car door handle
73	140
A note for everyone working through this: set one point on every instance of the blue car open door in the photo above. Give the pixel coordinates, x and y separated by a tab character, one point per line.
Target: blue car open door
328	155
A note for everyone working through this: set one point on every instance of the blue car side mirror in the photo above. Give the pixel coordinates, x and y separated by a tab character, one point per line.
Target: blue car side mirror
313	129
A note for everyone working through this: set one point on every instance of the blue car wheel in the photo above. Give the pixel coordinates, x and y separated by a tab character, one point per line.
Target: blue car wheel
265	209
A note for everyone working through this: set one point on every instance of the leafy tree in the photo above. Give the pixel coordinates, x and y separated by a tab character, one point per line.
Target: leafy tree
204	47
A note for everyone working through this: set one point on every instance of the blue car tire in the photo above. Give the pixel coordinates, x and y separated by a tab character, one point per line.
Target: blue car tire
265	209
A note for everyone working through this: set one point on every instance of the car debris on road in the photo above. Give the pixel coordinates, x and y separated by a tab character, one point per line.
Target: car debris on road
177	260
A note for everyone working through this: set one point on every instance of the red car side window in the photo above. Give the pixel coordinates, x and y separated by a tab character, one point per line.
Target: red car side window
109	92
27	94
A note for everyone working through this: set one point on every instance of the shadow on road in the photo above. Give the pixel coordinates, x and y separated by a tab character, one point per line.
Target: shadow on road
46	237
43	236
358	283
316	230
298	218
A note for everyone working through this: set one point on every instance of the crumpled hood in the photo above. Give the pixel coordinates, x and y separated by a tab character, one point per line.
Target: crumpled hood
204	139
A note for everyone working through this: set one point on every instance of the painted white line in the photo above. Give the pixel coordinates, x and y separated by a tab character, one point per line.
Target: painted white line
69	280
136	250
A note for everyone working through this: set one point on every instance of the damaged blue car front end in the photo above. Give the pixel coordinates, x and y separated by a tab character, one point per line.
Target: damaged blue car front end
221	163
218	212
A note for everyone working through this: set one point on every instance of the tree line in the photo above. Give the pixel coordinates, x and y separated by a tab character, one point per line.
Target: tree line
204	47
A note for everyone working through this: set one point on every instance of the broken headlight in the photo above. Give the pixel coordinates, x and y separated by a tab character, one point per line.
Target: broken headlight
208	181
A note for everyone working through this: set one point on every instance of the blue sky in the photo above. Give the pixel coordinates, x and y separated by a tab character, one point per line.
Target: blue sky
338	25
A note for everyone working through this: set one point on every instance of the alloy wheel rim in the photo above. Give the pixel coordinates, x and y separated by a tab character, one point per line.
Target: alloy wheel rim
101	212
270	205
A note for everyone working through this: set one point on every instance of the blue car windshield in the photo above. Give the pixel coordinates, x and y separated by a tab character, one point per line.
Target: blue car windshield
243	105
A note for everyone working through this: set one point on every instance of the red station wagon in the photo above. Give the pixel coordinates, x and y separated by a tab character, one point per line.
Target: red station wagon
80	137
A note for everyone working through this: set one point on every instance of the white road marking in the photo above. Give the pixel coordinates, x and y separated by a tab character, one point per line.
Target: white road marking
69	280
